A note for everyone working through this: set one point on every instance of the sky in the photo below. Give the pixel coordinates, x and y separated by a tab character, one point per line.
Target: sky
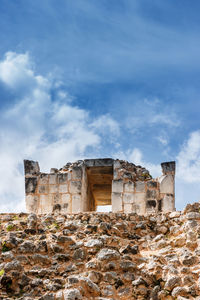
87	79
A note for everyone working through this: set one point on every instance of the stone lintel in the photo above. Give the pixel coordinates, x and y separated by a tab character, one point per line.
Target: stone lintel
99	162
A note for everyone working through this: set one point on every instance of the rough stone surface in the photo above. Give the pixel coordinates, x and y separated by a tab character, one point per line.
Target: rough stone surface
100	256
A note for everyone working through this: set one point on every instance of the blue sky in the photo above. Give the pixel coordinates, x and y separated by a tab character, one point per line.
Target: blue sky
99	79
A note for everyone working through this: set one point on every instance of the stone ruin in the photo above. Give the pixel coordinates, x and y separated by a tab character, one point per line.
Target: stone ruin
88	184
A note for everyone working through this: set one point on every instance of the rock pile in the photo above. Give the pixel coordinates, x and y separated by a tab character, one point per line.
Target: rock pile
101	256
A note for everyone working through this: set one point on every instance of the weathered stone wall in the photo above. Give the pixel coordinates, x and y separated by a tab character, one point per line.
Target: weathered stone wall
99	256
68	189
47	192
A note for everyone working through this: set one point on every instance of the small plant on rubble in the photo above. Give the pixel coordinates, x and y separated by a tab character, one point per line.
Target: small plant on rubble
9	227
55	225
4	247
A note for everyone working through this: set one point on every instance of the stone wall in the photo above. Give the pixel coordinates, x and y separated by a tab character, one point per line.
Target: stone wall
74	189
100	256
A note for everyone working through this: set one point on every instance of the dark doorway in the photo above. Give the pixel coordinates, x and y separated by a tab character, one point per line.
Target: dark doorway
100	187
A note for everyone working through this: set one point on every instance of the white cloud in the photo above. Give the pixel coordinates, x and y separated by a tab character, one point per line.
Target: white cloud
188	159
105	123
163	139
168	119
151	113
37	127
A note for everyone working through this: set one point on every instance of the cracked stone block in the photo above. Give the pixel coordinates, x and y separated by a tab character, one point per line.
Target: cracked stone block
168	167
76	173
31	203
45	204
128	208
43	189
66	198
128	198
75	187
129	187
63	178
63	188
44	178
76	203
140	186
168	203
30	184
55	198
31	167
167	184
117	186
53	188
116	202
151	194
53	178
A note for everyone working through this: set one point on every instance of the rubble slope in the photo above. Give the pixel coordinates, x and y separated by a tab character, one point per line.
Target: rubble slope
100	256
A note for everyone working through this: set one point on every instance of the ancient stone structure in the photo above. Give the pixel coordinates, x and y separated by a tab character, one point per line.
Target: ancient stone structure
87	184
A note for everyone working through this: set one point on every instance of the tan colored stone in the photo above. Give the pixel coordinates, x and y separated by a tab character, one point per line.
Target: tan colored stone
63	188
76	203
116	202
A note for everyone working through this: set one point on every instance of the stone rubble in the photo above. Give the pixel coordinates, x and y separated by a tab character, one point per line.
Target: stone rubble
101	256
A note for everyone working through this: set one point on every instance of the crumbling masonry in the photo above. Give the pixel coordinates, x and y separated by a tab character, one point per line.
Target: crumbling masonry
87	184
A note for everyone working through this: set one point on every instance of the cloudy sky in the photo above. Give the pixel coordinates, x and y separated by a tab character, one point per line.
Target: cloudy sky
104	78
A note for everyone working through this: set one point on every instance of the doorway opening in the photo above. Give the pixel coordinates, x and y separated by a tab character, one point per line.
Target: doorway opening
99	188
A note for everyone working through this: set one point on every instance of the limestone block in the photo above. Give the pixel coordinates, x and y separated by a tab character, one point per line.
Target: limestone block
140	200
76	173
152	194
31	203
63	188
168	203
116	202
140	197
53	178
63	178
30	184
76	203
44	178
44	199
66	203
168	167
140	186
65	198
44	204
31	167
43	189
167	184
136	209
128	197
128	208
129	187
53	188
75	187
55	198
117	186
